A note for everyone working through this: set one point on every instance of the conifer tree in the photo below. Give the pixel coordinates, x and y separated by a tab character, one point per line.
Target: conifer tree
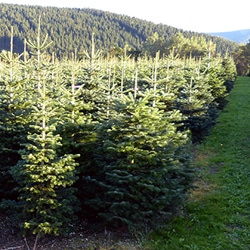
212	68
76	125
194	101
46	198
140	175
14	117
228	72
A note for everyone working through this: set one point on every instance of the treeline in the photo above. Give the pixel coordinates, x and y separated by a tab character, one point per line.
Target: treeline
71	30
102	139
242	59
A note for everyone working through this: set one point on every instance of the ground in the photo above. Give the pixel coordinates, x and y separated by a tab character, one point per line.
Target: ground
83	239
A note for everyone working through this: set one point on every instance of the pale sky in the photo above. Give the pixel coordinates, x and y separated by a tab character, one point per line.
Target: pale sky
193	15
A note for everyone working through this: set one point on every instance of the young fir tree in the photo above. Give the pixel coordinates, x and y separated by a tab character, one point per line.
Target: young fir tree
76	126
14	117
140	176
91	81
212	68
228	72
194	101
46	197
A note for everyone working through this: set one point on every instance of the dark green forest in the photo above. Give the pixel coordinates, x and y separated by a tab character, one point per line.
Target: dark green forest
71	30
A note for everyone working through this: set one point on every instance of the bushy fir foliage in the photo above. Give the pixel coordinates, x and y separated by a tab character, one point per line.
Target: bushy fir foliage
194	101
46	198
14	118
140	177
109	134
228	72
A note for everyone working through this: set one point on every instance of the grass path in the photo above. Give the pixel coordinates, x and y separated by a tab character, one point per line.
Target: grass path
218	213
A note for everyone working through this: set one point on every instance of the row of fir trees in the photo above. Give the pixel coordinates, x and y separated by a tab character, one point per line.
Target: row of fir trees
102	139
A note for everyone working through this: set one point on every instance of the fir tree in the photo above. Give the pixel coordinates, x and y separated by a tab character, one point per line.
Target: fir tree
140	177
46	197
14	117
195	100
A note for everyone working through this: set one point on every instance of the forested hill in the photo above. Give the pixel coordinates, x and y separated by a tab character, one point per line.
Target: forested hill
71	29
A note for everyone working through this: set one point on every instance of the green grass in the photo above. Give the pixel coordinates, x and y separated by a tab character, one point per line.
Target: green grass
217	215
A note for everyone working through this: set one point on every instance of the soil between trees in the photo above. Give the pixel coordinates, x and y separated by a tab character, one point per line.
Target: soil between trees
10	239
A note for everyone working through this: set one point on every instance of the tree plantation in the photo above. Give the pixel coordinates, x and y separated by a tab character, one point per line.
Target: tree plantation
103	138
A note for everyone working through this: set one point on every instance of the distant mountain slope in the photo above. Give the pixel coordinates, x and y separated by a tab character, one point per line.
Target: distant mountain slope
239	36
71	29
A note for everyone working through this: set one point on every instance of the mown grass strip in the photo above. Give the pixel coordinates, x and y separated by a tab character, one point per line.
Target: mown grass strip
218	213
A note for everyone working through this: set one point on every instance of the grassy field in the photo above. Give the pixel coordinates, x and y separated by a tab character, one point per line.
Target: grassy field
218	213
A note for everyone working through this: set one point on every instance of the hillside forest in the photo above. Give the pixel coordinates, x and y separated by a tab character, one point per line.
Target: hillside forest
102	137
71	30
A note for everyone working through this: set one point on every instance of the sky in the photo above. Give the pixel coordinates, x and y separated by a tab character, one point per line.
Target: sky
192	15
